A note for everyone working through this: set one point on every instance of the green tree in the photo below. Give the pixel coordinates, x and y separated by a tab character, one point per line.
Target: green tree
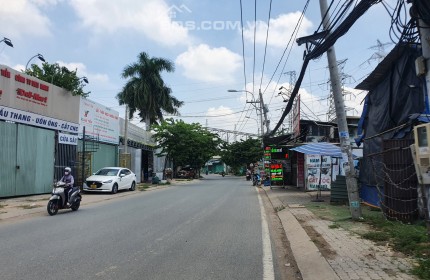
186	144
59	76
242	153
146	92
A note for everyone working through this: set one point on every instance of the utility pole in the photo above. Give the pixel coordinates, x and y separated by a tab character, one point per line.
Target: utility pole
259	112
424	30
126	129
263	109
345	145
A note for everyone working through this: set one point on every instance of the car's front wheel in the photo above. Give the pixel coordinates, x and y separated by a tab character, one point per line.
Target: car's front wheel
133	186
114	188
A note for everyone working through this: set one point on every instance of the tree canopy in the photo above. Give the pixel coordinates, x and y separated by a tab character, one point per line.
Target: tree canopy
242	153
146	92
60	76
186	144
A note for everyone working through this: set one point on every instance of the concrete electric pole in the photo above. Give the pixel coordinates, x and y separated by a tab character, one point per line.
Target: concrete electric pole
345	145
424	30
263	109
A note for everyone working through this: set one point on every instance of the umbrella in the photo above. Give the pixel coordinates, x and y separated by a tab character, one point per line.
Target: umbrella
320	148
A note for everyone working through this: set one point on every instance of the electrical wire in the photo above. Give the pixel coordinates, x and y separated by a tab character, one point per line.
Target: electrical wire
255	35
294	34
265	47
286	48
243	43
317	51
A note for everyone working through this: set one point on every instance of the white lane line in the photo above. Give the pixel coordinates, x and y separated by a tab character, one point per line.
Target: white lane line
268	271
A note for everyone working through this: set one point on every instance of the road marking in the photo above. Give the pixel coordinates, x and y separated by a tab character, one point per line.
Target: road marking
268	271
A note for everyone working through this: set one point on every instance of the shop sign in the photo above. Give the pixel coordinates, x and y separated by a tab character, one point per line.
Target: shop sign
19	116
67	139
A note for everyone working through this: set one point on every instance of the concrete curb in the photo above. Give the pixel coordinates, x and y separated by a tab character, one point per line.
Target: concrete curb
311	263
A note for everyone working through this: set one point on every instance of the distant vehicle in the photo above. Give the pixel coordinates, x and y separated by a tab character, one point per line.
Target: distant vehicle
186	173
111	179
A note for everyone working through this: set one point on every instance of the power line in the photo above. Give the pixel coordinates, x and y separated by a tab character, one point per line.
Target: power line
243	43
265	47
289	42
255	34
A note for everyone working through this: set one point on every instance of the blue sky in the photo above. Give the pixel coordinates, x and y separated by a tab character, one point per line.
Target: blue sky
203	39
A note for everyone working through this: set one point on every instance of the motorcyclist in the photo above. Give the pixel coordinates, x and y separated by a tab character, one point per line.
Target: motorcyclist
70	181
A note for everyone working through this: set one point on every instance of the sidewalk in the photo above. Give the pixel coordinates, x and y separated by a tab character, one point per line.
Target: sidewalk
322	252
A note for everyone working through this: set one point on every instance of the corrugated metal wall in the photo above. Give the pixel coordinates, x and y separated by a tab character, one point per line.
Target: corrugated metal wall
8	133
35	158
27	154
106	155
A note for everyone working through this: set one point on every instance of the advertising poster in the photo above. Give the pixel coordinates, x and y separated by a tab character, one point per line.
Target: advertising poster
313	164
318	172
325	182
100	122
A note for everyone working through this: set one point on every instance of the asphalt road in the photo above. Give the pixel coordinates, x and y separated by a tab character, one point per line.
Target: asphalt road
211	229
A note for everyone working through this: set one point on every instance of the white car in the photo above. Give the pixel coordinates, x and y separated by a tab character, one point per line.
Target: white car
111	179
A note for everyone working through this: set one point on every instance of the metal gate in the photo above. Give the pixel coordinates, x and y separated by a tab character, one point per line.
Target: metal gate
27	159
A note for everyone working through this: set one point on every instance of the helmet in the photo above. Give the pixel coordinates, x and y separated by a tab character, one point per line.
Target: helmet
68	169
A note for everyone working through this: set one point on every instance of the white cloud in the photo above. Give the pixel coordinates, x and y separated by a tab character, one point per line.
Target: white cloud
19	18
81	71
149	17
208	64
228	119
280	30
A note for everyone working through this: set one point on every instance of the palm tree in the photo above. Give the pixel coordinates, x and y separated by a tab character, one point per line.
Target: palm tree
146	92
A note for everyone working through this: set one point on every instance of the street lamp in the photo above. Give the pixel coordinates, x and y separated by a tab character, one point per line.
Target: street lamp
235	90
260	108
85	79
39	56
7	42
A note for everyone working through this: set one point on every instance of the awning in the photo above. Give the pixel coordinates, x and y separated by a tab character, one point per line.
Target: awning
320	148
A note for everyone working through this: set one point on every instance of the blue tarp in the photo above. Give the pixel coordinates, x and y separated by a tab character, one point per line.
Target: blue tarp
320	148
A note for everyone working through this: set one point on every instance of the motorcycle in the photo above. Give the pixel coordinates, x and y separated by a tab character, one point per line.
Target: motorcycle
223	174
256	180
248	176
58	199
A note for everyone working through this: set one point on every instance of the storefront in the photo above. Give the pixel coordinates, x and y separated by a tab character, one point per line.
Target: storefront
38	121
140	146
98	137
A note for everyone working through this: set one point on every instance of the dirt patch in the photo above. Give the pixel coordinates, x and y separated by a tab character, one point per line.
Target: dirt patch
31	206
320	242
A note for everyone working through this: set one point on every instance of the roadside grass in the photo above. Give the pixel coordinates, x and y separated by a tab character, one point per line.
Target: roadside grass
2	205
145	186
36	200
410	239
28	206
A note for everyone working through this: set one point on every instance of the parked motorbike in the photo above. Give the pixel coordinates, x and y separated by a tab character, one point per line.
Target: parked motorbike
248	176
256	180
58	199
223	174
